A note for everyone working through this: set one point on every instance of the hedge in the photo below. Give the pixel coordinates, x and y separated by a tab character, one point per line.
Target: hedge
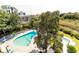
70	32
71	49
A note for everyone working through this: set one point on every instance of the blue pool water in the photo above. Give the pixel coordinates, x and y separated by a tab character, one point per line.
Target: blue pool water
25	39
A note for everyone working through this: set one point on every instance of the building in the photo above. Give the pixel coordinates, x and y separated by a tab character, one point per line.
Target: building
22	13
23	16
9	9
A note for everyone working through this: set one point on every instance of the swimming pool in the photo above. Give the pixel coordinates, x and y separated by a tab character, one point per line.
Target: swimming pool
25	39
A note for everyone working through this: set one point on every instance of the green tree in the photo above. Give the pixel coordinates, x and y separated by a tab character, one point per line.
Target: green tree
48	27
13	21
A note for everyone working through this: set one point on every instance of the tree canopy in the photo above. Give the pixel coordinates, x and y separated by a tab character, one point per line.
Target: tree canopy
8	21
47	25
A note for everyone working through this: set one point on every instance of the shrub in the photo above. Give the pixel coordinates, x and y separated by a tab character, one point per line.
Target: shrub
77	36
73	33
57	45
70	32
67	30
71	49
60	34
57	50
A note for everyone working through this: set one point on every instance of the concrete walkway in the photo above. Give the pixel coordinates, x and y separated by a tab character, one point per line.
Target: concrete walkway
66	41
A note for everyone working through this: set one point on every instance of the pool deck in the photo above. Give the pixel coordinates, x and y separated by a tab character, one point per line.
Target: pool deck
19	49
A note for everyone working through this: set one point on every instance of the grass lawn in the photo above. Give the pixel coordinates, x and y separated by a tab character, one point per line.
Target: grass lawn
74	39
